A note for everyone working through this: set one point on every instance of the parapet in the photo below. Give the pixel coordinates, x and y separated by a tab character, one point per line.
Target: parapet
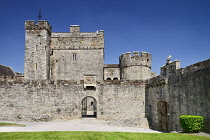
170	68
136	54
136	59
194	67
77	40
75	29
41	25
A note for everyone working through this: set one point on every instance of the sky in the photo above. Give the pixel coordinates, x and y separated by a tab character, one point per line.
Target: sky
180	28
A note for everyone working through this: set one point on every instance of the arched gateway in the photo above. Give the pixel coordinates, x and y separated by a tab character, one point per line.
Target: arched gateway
89	107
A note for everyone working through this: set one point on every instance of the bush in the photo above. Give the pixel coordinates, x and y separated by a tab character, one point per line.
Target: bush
191	124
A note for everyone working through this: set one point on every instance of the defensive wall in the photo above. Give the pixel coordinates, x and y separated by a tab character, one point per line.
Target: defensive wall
118	102
186	91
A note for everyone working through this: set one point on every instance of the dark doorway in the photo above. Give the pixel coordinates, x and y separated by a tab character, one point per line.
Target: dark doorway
163	117
89	107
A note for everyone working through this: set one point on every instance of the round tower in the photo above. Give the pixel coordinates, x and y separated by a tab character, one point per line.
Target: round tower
135	66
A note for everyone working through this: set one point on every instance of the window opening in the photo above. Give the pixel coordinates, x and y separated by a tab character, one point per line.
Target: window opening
164	71
108	78
51	70
90	88
115	78
74	57
36	66
36	47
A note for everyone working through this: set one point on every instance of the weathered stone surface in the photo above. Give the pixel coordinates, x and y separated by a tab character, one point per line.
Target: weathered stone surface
120	103
112	72
66	78
186	92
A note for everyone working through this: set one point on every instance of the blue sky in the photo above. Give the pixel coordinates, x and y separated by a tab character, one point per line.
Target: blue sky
180	28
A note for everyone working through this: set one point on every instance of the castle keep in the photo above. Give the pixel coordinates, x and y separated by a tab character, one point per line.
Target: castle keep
65	78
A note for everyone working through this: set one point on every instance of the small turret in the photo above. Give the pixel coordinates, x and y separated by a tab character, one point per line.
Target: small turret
135	66
134	59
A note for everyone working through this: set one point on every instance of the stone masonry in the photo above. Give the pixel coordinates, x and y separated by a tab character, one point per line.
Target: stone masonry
65	78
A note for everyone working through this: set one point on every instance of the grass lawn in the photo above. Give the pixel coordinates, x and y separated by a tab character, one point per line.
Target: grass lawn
10	124
79	135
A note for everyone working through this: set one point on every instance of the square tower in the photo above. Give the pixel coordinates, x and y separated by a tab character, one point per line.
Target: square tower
37	50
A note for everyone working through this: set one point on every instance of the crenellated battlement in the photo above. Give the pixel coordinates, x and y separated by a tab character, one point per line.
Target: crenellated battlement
194	67
135	59
41	25
76	40
173	68
170	68
135	65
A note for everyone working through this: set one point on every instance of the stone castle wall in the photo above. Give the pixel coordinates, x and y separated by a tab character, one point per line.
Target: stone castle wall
88	62
76	54
111	72
120	103
187	93
124	103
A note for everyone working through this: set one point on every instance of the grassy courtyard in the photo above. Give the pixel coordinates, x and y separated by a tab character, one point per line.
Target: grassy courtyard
79	135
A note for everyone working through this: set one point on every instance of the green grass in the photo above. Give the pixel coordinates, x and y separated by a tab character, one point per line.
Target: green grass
78	135
10	124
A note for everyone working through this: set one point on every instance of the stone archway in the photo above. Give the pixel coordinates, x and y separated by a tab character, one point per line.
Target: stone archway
89	107
163	115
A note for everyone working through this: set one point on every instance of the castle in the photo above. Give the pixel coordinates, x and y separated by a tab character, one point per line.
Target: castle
65	78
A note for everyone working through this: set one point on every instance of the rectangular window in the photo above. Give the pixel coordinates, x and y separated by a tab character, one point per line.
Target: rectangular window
74	57
36	66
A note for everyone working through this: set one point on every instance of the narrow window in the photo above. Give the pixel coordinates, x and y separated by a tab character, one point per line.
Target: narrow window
74	57
36	47
36	66
51	70
45	47
164	71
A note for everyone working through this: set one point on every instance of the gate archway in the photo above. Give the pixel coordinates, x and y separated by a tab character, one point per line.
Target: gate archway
163	115
89	107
